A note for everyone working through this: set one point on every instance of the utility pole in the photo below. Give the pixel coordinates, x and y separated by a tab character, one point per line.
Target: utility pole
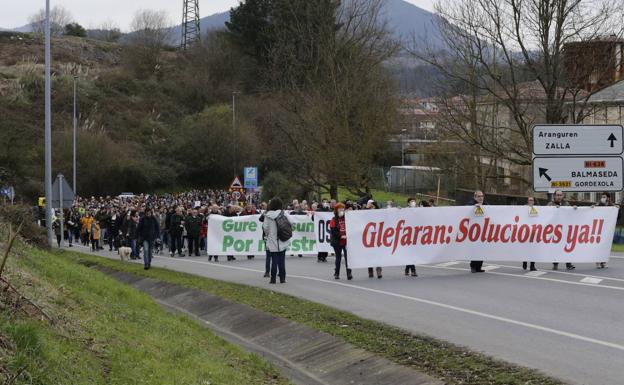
75	124
48	130
190	23
403	131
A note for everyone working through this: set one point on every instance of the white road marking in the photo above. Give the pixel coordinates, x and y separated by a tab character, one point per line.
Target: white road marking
568	273
532	277
446	264
490	267
591	280
535	273
429	302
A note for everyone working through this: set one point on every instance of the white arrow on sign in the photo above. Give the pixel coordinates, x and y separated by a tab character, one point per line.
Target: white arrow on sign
599	173
578	140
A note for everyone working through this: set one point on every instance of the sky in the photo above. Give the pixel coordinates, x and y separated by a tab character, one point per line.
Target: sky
92	13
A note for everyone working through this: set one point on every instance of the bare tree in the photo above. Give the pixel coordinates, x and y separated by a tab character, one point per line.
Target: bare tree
107	31
59	18
151	32
335	98
507	59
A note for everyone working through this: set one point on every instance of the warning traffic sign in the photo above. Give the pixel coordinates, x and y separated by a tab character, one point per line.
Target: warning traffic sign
577	174
236	184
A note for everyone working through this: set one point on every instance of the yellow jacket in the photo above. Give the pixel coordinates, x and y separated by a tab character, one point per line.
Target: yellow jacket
95	231
86	223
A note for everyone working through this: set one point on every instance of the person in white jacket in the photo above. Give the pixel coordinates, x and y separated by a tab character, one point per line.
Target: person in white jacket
275	248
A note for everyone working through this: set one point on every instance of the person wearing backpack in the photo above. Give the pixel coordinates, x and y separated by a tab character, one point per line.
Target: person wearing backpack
278	231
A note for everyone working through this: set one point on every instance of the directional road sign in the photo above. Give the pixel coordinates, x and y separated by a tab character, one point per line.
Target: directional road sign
596	173
578	140
251	177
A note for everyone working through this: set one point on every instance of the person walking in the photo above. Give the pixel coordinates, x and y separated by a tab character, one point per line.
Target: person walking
338	239
411	203
605	201
176	227
478	200
530	204
113	230
193	224
558	200
131	234
95	235
275	246
148	230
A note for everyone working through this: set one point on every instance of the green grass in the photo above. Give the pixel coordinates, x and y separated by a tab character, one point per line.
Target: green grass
452	364
109	333
617	247
382	197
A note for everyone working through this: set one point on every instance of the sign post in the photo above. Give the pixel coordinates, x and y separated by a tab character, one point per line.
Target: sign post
578	158
251	178
62	196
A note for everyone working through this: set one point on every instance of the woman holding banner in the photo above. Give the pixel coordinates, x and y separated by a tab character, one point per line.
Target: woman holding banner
338	231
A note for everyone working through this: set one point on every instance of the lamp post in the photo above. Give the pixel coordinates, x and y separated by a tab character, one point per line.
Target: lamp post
74	137
234	132
403	131
48	130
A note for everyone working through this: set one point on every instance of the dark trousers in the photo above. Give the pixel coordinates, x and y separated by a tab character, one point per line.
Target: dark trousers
95	244
410	268
340	250
476	265
111	240
193	245
322	256
267	264
176	243
278	262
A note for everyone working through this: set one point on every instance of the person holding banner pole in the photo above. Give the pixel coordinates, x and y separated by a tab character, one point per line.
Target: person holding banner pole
478	201
322	256
411	202
558	201
530	204
605	201
372	205
338	239
276	247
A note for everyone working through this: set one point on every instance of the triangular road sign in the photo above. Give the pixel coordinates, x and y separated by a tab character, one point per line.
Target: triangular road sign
236	184
479	211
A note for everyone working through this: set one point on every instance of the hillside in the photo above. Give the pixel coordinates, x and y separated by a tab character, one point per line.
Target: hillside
133	130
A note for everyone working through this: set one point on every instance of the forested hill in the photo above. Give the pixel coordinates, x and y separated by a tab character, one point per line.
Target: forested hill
138	128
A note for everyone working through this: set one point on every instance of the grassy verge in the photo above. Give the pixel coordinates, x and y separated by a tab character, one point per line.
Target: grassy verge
105	332
618	248
445	361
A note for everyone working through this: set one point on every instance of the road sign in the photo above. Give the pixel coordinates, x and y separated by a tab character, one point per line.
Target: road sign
585	174
60	186
236	184
251	177
578	140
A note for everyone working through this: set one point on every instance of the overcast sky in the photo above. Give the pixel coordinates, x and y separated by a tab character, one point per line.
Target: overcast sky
91	13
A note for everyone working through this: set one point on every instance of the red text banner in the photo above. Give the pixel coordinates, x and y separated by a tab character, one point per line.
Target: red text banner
396	237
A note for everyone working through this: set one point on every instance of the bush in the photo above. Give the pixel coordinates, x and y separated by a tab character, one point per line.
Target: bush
31	231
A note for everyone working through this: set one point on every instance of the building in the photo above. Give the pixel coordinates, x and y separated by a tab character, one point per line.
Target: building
593	64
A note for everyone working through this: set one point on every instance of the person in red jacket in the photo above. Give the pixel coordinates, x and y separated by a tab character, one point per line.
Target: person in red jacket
338	231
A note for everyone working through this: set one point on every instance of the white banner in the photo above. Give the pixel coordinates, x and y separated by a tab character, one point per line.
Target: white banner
321	226
243	235
396	237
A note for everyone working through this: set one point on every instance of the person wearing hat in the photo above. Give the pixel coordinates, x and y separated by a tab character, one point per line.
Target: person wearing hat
338	239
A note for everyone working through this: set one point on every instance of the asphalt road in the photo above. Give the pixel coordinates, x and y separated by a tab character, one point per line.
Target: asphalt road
567	324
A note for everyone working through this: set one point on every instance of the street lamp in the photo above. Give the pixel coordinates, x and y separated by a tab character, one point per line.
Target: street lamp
48	130
403	131
74	136
234	133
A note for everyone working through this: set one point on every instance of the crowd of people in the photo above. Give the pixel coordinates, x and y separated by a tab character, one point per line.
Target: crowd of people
148	224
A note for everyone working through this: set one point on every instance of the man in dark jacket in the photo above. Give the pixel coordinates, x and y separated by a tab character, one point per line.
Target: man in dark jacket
147	231
193	223
176	226
478	200
114	224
